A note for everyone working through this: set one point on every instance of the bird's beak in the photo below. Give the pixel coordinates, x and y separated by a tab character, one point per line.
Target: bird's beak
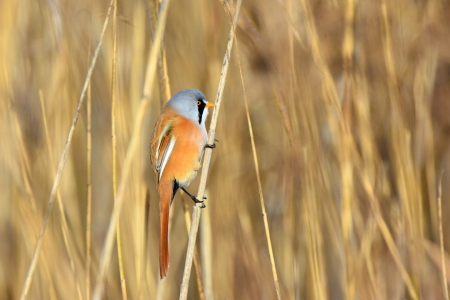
209	104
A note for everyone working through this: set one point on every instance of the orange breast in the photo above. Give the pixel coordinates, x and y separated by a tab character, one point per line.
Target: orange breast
185	159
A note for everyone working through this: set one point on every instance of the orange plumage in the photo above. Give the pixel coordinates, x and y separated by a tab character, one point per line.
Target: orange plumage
177	146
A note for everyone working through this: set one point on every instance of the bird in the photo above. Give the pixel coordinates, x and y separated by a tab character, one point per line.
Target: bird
178	142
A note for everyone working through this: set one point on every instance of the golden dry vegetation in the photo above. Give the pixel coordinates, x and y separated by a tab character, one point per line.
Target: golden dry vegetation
350	107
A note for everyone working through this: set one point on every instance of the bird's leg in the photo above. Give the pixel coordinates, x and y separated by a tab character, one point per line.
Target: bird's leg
212	146
194	198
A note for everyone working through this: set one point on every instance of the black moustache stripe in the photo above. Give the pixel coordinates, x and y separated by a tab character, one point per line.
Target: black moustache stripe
201	109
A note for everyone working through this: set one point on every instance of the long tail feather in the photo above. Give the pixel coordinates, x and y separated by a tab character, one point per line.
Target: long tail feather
165	197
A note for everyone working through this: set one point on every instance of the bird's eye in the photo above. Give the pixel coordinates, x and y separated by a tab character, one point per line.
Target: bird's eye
198	102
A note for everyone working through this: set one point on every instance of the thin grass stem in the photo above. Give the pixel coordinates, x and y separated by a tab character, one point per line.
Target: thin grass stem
258	179
89	191
123	284
207	158
88	174
197	265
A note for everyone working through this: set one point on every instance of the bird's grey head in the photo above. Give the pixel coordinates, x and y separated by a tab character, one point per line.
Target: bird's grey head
191	104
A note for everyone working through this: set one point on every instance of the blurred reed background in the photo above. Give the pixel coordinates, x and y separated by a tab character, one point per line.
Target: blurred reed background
350	109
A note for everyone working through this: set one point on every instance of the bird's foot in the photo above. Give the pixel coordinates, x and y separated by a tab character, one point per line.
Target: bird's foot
211	146
199	201
195	198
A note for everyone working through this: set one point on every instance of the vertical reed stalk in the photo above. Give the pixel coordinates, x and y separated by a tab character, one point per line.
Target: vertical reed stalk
207	158
89	173
197	265
346	150
89	191
206	254
123	284
258	179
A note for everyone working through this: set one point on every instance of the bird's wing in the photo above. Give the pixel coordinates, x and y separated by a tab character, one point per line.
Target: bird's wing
166	152
163	143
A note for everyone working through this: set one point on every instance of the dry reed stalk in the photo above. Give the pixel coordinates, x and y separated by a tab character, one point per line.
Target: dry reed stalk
441	240
258	179
89	190
347	149
88	173
114	149
64	227
163	78
131	152
207	158
63	159
206	250
197	265
146	285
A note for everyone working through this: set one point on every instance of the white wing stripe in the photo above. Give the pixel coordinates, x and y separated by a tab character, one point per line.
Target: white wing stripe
166	155
160	139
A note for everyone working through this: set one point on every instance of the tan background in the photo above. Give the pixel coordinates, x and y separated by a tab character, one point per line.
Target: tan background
350	158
